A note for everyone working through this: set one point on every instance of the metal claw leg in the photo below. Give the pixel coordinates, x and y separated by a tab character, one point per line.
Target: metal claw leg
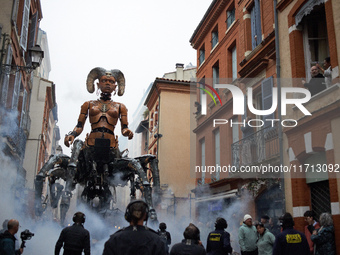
135	164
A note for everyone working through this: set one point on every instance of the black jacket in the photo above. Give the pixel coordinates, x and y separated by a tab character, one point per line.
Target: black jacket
7	244
187	247
134	240
316	84
75	239
292	242
218	243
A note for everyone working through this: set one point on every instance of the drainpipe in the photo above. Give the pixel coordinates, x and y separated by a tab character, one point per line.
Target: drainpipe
278	76
159	118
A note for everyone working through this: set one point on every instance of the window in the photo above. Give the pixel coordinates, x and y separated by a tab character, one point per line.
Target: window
16	91
217	152
255	17
202	143
315	38
235	130
234	63
6	78
25	24
230	17
202	55
267	99
23	117
216	74
214	37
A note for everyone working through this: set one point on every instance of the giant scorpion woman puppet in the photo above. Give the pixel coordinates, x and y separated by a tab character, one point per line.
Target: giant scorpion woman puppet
97	164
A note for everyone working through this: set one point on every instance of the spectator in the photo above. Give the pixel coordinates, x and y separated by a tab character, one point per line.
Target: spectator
165	236
312	225
324	237
317	83
191	244
290	241
136	238
327	72
75	238
218	242
265	220
7	239
247	236
4	226
265	240
274	228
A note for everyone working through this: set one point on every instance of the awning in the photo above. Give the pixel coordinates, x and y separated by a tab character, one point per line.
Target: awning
143	126
306	9
223	195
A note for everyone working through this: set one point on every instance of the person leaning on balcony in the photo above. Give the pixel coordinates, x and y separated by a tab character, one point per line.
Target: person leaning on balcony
327	72
316	83
247	236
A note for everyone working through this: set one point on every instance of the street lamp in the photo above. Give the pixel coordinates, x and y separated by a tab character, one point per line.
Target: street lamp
35	57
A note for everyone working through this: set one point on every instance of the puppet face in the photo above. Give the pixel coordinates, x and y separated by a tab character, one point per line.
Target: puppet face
107	84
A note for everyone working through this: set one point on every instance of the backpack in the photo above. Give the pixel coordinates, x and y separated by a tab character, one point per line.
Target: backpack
164	238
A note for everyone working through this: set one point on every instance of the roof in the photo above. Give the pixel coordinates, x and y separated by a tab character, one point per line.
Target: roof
202	20
184	82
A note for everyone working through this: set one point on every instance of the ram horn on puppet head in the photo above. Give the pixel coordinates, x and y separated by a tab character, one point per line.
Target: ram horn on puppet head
94	74
119	76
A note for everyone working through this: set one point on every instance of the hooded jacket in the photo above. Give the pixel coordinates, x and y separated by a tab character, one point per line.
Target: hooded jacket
247	237
7	244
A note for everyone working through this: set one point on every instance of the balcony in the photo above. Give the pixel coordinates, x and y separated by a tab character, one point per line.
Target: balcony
260	147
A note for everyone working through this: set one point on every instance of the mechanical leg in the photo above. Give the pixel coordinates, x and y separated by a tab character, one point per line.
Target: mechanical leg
147	190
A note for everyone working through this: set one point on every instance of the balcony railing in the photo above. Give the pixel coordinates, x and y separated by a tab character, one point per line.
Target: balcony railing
259	147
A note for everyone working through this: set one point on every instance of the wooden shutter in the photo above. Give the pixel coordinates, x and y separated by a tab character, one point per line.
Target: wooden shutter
33	30
16	91
23	110
258	22
15	11
24	25
253	28
5	81
267	99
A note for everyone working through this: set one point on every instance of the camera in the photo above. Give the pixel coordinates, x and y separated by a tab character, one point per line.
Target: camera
26	235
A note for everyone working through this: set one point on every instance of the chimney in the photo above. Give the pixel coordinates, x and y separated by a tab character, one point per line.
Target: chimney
179	71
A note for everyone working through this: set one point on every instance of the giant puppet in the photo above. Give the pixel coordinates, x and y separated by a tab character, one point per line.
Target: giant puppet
97	163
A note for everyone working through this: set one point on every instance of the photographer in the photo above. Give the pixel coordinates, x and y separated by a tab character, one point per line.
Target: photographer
7	239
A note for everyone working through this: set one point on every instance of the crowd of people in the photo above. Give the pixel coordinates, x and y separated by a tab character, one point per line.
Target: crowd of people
261	237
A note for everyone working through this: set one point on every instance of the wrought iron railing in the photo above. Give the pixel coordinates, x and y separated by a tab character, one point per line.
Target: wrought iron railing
256	148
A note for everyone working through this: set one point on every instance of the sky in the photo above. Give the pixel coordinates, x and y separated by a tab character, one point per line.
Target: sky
143	39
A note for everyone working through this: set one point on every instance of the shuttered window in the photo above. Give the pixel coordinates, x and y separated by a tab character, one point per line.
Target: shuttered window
23	116
255	16
267	99
25	24
5	81
16	91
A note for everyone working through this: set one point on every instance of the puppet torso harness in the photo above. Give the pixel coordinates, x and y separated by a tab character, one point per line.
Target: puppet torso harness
103	118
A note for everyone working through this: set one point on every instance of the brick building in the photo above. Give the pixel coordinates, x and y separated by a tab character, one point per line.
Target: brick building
308	32
235	43
19	23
